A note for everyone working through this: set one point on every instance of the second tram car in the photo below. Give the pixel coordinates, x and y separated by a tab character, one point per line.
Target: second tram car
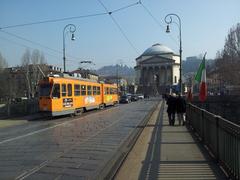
69	95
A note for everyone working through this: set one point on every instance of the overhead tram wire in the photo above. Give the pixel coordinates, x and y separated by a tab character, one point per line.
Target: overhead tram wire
125	7
155	19
118	26
28	47
25	46
52	20
124	34
30	41
68	18
64	19
36	43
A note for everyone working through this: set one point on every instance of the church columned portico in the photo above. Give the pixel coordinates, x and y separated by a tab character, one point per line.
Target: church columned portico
157	70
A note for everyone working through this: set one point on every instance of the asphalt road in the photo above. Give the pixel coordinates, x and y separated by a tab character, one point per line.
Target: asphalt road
68	148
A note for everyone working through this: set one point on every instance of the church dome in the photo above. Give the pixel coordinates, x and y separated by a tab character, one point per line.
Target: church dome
157	49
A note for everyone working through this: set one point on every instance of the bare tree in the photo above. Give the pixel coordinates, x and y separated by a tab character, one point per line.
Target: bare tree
25	66
36	57
3	77
33	65
3	63
228	60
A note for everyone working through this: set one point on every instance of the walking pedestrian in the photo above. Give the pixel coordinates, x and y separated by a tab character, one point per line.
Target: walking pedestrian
181	109
171	102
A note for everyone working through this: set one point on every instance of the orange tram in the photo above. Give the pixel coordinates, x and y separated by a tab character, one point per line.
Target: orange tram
61	95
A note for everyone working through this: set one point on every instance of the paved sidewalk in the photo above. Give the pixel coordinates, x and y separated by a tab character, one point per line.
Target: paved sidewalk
167	152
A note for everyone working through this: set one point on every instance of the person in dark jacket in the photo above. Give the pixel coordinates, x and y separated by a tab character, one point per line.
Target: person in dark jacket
171	102
180	109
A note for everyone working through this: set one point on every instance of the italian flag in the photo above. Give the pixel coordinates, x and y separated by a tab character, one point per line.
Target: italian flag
201	78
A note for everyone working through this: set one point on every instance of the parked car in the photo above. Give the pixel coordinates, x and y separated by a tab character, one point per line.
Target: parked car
125	99
140	96
134	97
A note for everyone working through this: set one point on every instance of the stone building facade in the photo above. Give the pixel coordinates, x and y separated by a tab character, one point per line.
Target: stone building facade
157	70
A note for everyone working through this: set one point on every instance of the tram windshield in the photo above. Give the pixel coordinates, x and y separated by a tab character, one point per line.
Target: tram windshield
45	89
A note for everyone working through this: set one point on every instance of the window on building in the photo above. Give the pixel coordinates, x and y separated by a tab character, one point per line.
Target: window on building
56	91
69	86
83	90
175	79
89	90
77	90
64	90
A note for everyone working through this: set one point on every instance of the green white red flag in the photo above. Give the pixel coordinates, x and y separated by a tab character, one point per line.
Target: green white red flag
190	94
201	78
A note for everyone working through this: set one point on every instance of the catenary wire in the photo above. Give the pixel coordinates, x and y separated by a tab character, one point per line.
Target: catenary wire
28	47
36	43
68	18
23	45
53	20
155	20
64	19
119	27
125	7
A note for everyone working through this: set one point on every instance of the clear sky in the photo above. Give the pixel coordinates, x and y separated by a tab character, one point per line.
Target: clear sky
205	24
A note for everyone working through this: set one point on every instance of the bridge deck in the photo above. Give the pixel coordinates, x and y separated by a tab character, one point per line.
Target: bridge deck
168	152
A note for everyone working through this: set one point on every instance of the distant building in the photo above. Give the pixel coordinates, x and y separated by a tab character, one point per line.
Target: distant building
85	73
120	81
132	88
216	85
23	81
192	58
157	70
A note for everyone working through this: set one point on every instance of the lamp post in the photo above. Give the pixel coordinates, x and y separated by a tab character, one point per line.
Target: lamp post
72	29
168	20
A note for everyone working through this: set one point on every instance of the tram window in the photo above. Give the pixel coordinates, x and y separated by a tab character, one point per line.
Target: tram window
105	90
76	90
64	90
45	89
89	90
108	91
94	90
69	89
111	91
98	90
114	91
56	91
83	90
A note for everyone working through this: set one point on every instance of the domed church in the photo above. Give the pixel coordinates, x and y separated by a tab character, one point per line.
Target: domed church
157	70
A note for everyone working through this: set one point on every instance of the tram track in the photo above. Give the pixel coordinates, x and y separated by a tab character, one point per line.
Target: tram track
45	163
99	137
112	167
33	128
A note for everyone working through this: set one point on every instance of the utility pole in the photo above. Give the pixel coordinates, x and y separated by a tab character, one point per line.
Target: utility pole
117	80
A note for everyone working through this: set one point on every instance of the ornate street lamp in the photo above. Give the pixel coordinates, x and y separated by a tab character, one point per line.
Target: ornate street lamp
72	29
168	20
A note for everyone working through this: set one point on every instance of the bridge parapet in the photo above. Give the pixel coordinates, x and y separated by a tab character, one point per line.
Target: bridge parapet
221	137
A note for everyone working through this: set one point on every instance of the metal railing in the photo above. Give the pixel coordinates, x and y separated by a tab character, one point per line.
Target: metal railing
221	136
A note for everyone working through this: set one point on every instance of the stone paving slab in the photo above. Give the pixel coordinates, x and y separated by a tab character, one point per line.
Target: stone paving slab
168	152
74	149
